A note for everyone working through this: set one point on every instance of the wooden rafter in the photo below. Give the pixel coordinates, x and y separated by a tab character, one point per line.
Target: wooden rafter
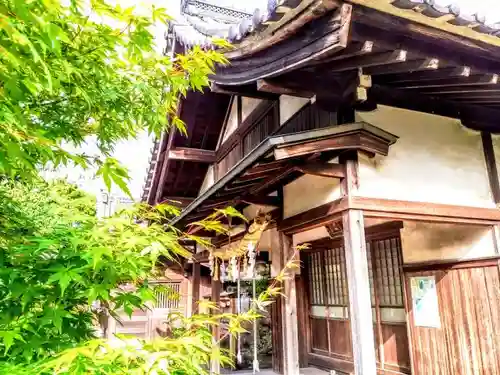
266	200
323	169
428	82
448	90
468	113
192	154
182	201
427	64
366	61
267	85
250	91
427	41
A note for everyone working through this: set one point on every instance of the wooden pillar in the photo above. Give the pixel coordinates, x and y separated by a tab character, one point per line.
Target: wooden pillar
358	282
289	313
194	290
215	298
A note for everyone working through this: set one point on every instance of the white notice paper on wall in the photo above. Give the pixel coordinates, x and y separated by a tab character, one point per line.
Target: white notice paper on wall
425	302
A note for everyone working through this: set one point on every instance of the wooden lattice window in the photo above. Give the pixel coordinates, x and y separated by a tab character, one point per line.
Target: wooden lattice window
385	257
327	274
317	277
168	296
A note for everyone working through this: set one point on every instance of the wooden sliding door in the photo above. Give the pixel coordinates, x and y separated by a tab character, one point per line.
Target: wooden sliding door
330	333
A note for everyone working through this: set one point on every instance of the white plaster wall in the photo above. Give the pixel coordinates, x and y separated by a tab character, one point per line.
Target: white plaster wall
308	192
232	121
209	180
422	242
309	235
248	105
435	160
252	210
289	105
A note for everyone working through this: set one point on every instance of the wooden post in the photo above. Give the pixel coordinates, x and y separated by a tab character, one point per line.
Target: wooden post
358	280
289	313
215	298
194	289
363	341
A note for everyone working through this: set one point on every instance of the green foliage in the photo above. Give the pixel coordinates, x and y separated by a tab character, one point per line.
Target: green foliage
70	70
57	260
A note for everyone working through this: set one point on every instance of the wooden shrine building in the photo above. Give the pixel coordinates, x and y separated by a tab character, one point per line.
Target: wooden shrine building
365	128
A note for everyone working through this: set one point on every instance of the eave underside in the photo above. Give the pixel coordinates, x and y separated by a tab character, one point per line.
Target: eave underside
203	114
355	55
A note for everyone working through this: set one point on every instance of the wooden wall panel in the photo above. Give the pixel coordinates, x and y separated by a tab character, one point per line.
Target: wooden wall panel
468	342
277	335
319	334
395	341
302	319
340	338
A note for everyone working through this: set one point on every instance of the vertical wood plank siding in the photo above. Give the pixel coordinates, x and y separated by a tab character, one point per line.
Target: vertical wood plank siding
468	341
277	335
264	123
308	118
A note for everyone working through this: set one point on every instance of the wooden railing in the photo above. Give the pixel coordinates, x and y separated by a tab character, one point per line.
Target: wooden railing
262	123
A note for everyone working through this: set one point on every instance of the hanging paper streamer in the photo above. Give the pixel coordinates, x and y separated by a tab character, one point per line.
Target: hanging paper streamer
234	268
251	261
211	263
223	272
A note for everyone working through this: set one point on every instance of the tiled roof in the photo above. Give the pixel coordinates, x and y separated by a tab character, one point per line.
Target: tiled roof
201	20
480	15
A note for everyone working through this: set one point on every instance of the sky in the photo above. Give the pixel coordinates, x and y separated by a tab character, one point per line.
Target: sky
134	154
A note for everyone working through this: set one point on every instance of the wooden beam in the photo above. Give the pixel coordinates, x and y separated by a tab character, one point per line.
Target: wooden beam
491	166
314	218
392	209
473	89
195	287
404	67
376	59
273	179
249	91
352	50
267	85
487	118
467	94
177	201
358	285
323	169
485	80
426	211
422	78
429	41
264	168
192	154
